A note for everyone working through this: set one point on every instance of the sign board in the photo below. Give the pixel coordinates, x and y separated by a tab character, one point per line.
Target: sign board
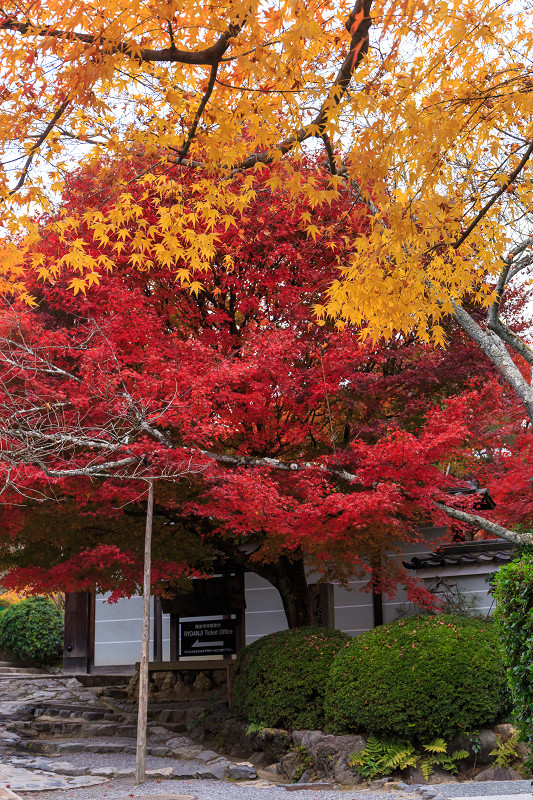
209	638
223	594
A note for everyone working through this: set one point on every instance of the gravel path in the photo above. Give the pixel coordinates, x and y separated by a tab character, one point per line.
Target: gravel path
484	788
211	790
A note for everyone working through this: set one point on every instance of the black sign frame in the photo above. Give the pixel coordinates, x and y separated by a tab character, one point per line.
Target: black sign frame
208	637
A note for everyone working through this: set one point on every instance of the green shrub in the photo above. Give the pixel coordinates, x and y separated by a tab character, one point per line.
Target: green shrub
280	679
513	588
418	678
32	631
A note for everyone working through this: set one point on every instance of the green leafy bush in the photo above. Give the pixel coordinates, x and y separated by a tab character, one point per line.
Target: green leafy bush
32	631
280	679
513	588
419	677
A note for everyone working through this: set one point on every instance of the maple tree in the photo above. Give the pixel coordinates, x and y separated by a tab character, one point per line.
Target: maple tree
424	111
310	447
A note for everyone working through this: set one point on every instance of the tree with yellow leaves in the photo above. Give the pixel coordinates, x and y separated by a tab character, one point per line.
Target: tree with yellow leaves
422	109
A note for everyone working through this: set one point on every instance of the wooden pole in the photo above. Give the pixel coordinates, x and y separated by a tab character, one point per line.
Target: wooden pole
140	760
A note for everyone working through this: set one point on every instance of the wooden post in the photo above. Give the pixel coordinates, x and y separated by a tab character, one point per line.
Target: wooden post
140	760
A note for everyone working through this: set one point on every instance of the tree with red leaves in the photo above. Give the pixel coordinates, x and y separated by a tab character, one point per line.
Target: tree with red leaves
286	445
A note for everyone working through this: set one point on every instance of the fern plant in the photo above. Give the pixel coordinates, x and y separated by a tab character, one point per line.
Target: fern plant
436	755
383	757
506	754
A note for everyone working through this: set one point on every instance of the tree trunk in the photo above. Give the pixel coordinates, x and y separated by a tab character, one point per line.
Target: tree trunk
287	575
290	581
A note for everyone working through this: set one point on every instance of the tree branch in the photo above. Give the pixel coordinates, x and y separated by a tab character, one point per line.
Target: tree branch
358	24
505	185
207	57
486	525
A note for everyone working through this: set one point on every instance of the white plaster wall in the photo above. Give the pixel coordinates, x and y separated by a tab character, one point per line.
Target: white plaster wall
118	626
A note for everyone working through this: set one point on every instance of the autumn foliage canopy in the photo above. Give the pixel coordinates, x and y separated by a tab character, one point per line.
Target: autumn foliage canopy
265	432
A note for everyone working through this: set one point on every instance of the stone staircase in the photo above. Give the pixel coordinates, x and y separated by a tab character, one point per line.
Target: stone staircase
46	726
9	670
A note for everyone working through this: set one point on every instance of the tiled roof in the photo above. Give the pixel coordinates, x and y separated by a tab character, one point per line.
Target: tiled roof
497	551
484	500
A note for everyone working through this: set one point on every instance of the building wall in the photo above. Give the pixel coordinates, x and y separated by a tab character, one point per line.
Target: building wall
118	625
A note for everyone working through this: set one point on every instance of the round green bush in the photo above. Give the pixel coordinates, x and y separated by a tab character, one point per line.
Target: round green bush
419	678
280	679
32	631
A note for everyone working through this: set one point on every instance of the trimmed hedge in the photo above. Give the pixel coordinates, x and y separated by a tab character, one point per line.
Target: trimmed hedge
32	631
419	678
513	589
280	679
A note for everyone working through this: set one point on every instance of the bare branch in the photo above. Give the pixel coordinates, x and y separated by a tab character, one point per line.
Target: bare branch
486	525
35	147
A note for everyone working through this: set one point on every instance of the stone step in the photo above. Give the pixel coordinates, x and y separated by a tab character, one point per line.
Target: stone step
10	669
71	728
30	676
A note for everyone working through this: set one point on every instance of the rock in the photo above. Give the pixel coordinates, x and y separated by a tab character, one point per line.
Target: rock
241	772
306	776
498	774
505	730
105	772
488	741
330	757
160	772
290	765
274	742
218	770
523	751
178	741
202	682
258	759
163	681
160	752
184	774
438	775
307	739
344	774
379	783
272	768
297	787
205	756
70	747
127	772
132	689
237	739
478	747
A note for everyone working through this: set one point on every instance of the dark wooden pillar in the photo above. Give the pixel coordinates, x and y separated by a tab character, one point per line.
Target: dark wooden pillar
79	637
158	629
322	604
174	632
377	598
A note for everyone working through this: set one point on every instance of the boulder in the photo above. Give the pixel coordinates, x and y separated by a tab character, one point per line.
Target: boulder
479	747
274	742
307	739
202	682
241	772
498	774
330	756
505	730
290	765
438	775
163	681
